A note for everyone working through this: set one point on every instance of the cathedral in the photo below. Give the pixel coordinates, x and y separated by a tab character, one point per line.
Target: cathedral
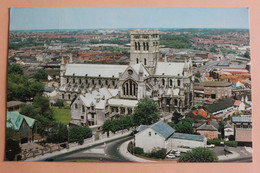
97	92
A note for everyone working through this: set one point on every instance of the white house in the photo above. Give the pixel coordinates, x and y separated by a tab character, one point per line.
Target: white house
163	136
239	105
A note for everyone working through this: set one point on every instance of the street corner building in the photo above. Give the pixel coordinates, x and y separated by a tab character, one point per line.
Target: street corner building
97	92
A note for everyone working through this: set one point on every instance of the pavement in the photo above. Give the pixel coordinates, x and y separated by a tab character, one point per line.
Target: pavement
77	147
123	151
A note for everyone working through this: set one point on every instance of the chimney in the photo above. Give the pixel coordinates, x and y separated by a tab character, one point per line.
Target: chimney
208	121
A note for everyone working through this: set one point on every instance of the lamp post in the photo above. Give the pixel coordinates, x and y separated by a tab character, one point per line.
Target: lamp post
68	127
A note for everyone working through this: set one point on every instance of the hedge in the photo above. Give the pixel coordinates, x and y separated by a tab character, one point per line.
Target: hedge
228	143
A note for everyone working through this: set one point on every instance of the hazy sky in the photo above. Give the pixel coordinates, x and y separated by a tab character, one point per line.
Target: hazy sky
127	17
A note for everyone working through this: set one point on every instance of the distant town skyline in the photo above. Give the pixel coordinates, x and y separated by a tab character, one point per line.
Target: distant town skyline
127	17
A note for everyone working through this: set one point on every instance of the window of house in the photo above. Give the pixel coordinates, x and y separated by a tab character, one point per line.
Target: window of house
69	96
92	115
67	80
82	117
170	82
179	82
76	106
163	82
150	133
83	108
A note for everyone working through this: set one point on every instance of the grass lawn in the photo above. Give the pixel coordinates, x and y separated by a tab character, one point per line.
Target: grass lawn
62	115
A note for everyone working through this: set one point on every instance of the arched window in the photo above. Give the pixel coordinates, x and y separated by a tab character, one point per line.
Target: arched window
145	61
147	46
99	82
139	46
93	82
176	102
80	81
163	82
69	96
67	80
137	60
73	80
130	88
179	82
135	46
76	106
86	81
106	82
113	82
83	108
144	45
170	82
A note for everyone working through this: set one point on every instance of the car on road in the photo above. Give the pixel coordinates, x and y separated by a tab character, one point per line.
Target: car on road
210	146
177	154
170	156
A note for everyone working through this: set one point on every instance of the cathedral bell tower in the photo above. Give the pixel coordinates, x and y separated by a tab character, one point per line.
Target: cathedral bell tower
144	48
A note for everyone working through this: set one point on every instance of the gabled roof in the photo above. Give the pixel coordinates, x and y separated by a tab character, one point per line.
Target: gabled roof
163	129
217	84
188	137
141	128
169	68
201	112
237	103
242	119
94	70
14	103
207	127
14	120
220	105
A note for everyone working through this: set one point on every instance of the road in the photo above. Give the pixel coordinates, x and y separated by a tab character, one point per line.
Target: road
107	152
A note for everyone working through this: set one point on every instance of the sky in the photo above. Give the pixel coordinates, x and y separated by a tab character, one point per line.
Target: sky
127	17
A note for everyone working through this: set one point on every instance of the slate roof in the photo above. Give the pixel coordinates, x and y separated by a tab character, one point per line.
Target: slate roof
217	84
124	102
242	119
188	137
169	68
141	128
94	70
207	127
220	105
14	120
14	103
163	129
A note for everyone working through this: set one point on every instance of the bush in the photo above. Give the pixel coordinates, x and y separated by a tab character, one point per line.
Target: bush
215	142
130	147
159	153
138	150
78	134
59	103
199	154
231	143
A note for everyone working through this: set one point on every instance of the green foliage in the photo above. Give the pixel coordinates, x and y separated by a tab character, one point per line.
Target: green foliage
124	122
176	117
158	153
199	155
79	133
15	69
40	74
59	103
44	104
213	49
218	141
231	143
198	75
175	41
185	126
58	133
221	128
247	55
138	150
146	112
12	149
19	87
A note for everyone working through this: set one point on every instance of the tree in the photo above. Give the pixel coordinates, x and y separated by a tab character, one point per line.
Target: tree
57	133
40	74
247	54
146	112
199	154
176	117
43	103
184	126
79	133
59	103
107	126
12	147
198	75
15	69
221	128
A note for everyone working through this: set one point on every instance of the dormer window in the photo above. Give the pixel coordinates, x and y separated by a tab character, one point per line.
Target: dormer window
130	72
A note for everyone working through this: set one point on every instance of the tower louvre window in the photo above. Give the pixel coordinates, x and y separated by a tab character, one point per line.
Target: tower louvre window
145	61
147	46
137	60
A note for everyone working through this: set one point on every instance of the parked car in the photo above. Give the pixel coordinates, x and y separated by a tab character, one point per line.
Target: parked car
177	154
170	156
210	146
